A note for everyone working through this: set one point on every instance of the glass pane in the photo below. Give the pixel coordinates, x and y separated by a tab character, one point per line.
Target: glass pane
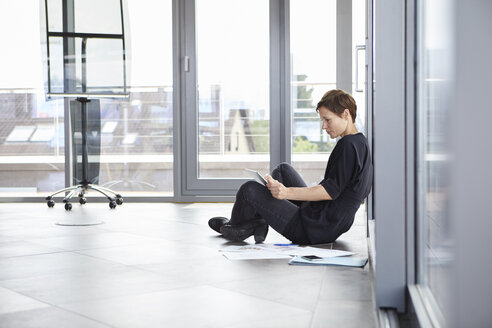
137	133
313	57
137	142
55	66
90	16
96	16
55	15
233	87
434	93
104	66
32	148
359	65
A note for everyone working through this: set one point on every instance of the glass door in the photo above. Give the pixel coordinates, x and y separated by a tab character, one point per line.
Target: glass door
229	108
434	93
313	48
253	73
327	43
233	83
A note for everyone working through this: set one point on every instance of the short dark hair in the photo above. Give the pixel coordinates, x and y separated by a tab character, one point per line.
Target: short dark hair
337	101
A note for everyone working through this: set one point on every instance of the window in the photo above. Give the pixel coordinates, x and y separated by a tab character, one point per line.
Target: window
313	33
434	84
136	133
233	87
31	130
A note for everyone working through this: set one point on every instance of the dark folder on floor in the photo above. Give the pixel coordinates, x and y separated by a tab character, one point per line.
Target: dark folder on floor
338	260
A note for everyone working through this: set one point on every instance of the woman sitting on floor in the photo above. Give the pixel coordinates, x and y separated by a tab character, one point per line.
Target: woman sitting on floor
308	215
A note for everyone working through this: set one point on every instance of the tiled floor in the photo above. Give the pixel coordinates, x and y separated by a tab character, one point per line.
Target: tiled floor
158	265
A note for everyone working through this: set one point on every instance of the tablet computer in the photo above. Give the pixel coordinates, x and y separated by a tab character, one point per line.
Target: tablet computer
257	176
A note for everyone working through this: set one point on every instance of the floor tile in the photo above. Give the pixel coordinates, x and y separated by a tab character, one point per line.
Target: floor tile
23	248
42	264
47	317
92	285
99	240
349	284
14	302
167	252
201	306
291	290
346	314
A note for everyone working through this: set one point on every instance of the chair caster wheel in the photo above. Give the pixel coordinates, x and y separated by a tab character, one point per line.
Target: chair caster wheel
112	204
119	200
68	206
51	203
82	200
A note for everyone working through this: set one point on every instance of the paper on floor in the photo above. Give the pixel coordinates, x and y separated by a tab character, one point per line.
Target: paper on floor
271	251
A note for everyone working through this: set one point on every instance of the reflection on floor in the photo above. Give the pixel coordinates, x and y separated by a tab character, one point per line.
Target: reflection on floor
157	265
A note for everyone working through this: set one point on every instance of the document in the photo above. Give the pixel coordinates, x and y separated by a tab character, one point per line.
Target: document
272	251
343	261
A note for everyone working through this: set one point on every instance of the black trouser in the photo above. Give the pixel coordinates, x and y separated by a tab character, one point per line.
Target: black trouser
254	201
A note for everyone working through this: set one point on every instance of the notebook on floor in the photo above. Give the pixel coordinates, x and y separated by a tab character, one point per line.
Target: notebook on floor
353	261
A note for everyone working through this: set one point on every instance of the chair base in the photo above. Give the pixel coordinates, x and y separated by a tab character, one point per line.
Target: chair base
80	190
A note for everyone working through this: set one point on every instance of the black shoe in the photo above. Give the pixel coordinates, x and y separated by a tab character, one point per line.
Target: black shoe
261	232
217	222
240	232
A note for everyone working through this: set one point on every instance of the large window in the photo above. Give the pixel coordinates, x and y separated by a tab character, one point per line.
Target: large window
313	33
31	129
136	133
314	64
233	87
231	91
433	103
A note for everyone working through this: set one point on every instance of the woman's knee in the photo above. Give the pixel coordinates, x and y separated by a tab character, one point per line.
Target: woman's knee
250	187
284	166
280	170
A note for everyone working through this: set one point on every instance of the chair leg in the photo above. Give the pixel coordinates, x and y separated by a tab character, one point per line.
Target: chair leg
96	188
80	190
102	189
62	190
71	194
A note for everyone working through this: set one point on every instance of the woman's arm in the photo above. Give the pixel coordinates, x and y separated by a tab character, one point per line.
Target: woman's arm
280	191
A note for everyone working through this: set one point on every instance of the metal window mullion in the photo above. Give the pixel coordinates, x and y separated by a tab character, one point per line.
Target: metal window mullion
178	86
68	52
420	169
47	45
280	104
344	45
123	43
190	95
369	95
411	141
389	155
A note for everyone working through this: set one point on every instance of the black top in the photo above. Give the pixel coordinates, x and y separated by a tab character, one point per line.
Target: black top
348	180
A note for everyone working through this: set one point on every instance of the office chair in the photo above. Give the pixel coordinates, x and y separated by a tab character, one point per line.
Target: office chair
84	143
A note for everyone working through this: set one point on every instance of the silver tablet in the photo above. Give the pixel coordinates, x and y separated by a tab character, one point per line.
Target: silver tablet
258	177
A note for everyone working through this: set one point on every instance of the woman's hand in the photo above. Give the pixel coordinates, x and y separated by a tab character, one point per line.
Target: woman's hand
277	189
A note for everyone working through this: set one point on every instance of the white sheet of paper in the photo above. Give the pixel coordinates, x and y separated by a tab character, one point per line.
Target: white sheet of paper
249	255
338	260
271	251
321	252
